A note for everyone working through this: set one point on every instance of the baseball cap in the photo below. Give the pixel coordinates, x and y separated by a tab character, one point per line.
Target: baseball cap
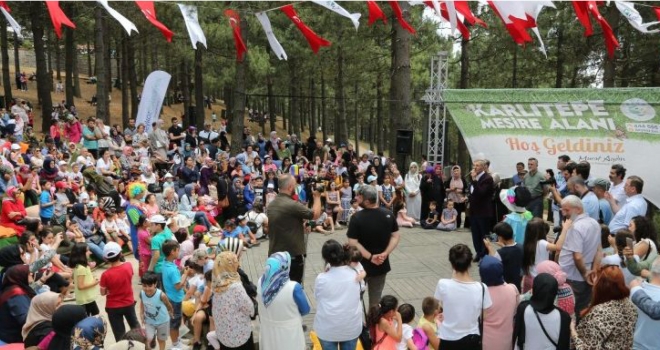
111	250
372	178
15	147
62	162
158	219
168	175
199	229
60	184
241	217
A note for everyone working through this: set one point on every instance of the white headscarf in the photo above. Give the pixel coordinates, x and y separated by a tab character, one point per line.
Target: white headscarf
413	178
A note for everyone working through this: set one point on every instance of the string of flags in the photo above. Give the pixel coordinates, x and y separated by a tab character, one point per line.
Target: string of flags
519	17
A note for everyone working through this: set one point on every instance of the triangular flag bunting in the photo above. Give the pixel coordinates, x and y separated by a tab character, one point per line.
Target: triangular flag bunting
4	8
463	8
628	11
656	9
582	10
272	39
149	12
375	13
195	31
235	23
125	22
399	15
58	17
335	7
465	33
314	40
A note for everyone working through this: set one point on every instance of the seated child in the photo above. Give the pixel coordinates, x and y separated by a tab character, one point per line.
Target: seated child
432	220
355	207
323	223
47	241
110	229
448	218
242	232
74	233
431	320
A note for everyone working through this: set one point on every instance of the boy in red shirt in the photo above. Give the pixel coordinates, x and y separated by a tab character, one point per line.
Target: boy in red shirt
116	285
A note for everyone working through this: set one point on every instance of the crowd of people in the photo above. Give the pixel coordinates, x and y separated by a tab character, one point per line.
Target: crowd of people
187	209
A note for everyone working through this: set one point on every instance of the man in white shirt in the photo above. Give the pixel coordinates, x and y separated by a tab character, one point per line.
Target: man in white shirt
581	252
208	135
634	205
617	174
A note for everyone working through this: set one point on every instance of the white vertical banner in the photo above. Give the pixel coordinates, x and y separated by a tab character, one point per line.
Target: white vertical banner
12	22
272	40
335	7
195	31
125	22
153	95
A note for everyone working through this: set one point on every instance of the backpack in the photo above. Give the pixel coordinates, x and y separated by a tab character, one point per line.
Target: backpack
420	339
251	224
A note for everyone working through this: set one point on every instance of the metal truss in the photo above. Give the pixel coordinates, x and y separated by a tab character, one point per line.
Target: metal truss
437	111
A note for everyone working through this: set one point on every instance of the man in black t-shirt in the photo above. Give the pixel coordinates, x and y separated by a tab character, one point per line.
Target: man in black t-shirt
375	233
175	133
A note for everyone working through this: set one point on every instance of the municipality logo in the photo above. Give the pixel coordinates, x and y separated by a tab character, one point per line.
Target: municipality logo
637	109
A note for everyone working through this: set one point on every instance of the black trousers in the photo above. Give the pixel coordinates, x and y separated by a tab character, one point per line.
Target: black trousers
297	268
116	317
91	309
480	227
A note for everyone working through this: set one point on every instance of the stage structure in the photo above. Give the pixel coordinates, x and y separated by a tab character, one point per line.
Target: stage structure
437	110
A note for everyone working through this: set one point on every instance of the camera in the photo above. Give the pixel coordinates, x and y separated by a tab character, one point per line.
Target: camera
317	184
551	178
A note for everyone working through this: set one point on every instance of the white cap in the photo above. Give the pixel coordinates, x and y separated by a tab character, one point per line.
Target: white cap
111	250
61	162
158	219
15	147
167	176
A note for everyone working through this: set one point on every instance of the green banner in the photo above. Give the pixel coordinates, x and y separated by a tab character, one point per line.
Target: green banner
601	126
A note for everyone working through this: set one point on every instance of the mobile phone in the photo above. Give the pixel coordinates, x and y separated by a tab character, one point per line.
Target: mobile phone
629	242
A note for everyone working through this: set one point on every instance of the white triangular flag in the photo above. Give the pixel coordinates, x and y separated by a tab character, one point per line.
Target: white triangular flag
451	12
632	15
335	7
272	40
12	22
195	31
127	24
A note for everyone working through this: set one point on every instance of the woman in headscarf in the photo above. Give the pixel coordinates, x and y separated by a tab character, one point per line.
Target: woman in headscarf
565	298
38	324
505	300
232	307
539	324
205	175
13	210
89	334
136	191
609	321
15	298
64	320
89	230
282	303
413	197
456	188
188	203
49	170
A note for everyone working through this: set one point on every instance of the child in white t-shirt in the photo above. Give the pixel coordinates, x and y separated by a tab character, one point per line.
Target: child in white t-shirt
355	207
407	312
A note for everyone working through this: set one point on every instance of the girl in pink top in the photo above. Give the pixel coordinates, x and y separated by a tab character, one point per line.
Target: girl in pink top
144	245
384	322
505	300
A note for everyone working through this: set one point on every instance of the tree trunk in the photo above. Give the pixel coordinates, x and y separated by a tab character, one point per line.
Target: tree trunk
132	76
58	66
294	112
101	70
143	60
6	80
185	87
122	68
239	96
107	57
400	83
90	70
271	103
17	60
514	74
356	124
609	64
313	126
559	70
465	64
324	119
76	73
199	88
341	124
284	114
379	113
43	90
49	55
372	128
70	54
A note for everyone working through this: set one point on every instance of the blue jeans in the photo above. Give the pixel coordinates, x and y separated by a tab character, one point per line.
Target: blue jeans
96	249
342	345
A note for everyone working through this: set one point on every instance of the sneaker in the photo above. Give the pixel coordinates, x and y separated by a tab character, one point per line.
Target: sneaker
153	344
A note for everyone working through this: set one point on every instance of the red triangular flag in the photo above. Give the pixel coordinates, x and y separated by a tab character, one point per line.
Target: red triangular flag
58	17
149	11
314	40
399	15
375	13
463	8
516	27
235	23
581	10
4	5
465	33
656	9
